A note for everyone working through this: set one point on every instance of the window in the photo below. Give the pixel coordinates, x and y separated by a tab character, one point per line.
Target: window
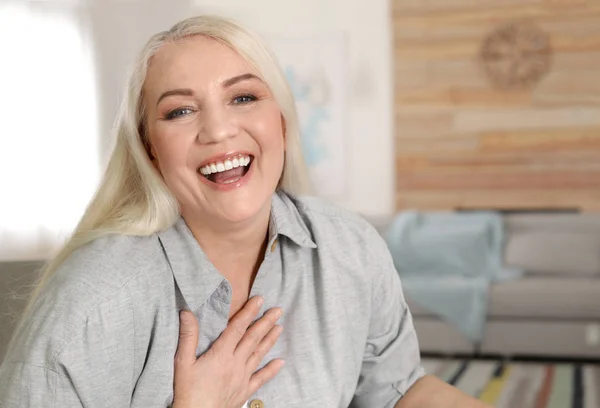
49	158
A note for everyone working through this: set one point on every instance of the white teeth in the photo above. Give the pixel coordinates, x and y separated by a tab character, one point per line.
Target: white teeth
228	164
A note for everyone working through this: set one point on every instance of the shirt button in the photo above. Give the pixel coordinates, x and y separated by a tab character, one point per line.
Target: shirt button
274	245
257	404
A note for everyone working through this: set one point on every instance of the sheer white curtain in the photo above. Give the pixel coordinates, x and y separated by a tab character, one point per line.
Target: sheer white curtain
49	158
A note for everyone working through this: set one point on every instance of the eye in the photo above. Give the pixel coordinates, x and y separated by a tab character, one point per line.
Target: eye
242	99
176	113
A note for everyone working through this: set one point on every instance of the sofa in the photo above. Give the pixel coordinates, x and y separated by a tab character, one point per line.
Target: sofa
16	282
553	310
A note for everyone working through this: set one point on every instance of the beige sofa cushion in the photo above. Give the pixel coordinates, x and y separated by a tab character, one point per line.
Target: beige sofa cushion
417	310
557	222
561	253
540	338
546	297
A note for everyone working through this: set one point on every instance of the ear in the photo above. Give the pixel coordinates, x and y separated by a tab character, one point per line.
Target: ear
152	154
146	142
153	159
284	131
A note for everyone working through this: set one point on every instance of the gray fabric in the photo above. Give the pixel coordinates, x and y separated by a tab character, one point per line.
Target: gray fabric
546	297
553	222
541	338
438	336
104	331
558	253
16	281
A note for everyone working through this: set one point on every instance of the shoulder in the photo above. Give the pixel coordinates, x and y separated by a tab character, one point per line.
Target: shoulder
87	297
343	237
104	267
334	224
351	254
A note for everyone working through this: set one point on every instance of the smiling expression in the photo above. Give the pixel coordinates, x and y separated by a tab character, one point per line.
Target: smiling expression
215	131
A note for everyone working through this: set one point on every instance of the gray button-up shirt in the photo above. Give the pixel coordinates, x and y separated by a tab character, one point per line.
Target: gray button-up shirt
104	331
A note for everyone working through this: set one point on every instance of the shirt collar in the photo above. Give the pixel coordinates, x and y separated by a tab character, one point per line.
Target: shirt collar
196	276
286	220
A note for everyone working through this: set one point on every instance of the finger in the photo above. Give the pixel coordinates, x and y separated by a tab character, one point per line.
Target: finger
188	338
238	325
263	348
264	375
255	334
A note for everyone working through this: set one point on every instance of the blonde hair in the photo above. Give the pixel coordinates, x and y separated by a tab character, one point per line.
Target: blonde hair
132	198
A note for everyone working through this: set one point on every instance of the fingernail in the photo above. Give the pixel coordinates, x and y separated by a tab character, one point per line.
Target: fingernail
278	313
260	301
183	317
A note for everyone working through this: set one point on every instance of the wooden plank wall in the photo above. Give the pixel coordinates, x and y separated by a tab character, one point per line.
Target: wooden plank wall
464	141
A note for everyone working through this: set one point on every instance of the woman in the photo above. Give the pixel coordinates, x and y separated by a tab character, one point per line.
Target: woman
198	212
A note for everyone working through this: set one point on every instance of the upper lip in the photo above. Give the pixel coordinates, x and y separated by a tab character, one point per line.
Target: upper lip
223	157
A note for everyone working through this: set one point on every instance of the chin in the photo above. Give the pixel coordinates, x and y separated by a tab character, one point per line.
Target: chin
242	210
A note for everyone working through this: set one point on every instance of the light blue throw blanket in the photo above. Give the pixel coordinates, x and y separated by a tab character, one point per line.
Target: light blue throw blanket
447	262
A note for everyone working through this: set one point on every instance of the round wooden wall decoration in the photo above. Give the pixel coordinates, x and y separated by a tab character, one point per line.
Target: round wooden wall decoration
516	55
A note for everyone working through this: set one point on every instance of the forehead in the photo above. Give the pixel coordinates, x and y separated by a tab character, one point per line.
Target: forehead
193	62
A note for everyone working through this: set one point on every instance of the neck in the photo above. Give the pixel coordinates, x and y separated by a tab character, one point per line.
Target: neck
235	249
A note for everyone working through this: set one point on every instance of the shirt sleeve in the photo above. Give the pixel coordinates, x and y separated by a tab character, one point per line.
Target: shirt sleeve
30	386
391	361
85	363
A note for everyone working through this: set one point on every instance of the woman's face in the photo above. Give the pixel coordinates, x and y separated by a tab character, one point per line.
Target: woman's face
216	132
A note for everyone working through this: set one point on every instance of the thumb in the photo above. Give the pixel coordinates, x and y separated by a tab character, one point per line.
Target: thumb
188	338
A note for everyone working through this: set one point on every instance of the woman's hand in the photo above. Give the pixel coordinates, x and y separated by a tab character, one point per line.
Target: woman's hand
225	376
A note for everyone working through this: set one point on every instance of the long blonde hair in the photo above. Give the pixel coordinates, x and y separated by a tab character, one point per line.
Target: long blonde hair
132	198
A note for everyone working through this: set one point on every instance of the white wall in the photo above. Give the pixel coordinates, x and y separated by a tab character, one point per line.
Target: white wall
370	150
113	32
369	153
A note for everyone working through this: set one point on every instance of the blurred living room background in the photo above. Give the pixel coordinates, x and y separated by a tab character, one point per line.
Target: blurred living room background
468	133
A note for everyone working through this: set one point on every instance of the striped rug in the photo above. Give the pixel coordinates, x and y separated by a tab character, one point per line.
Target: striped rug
522	384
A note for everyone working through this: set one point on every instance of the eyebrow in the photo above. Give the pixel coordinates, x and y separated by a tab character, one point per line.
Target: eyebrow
182	91
239	78
226	84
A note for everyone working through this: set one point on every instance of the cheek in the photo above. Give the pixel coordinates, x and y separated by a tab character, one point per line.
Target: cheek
170	152
270	134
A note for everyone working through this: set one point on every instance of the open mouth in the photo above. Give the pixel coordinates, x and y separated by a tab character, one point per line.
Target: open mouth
227	171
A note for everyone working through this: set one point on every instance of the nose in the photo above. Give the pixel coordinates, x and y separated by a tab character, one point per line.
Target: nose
215	126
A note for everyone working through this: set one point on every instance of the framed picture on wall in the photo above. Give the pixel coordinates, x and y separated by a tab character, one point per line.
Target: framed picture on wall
315	67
